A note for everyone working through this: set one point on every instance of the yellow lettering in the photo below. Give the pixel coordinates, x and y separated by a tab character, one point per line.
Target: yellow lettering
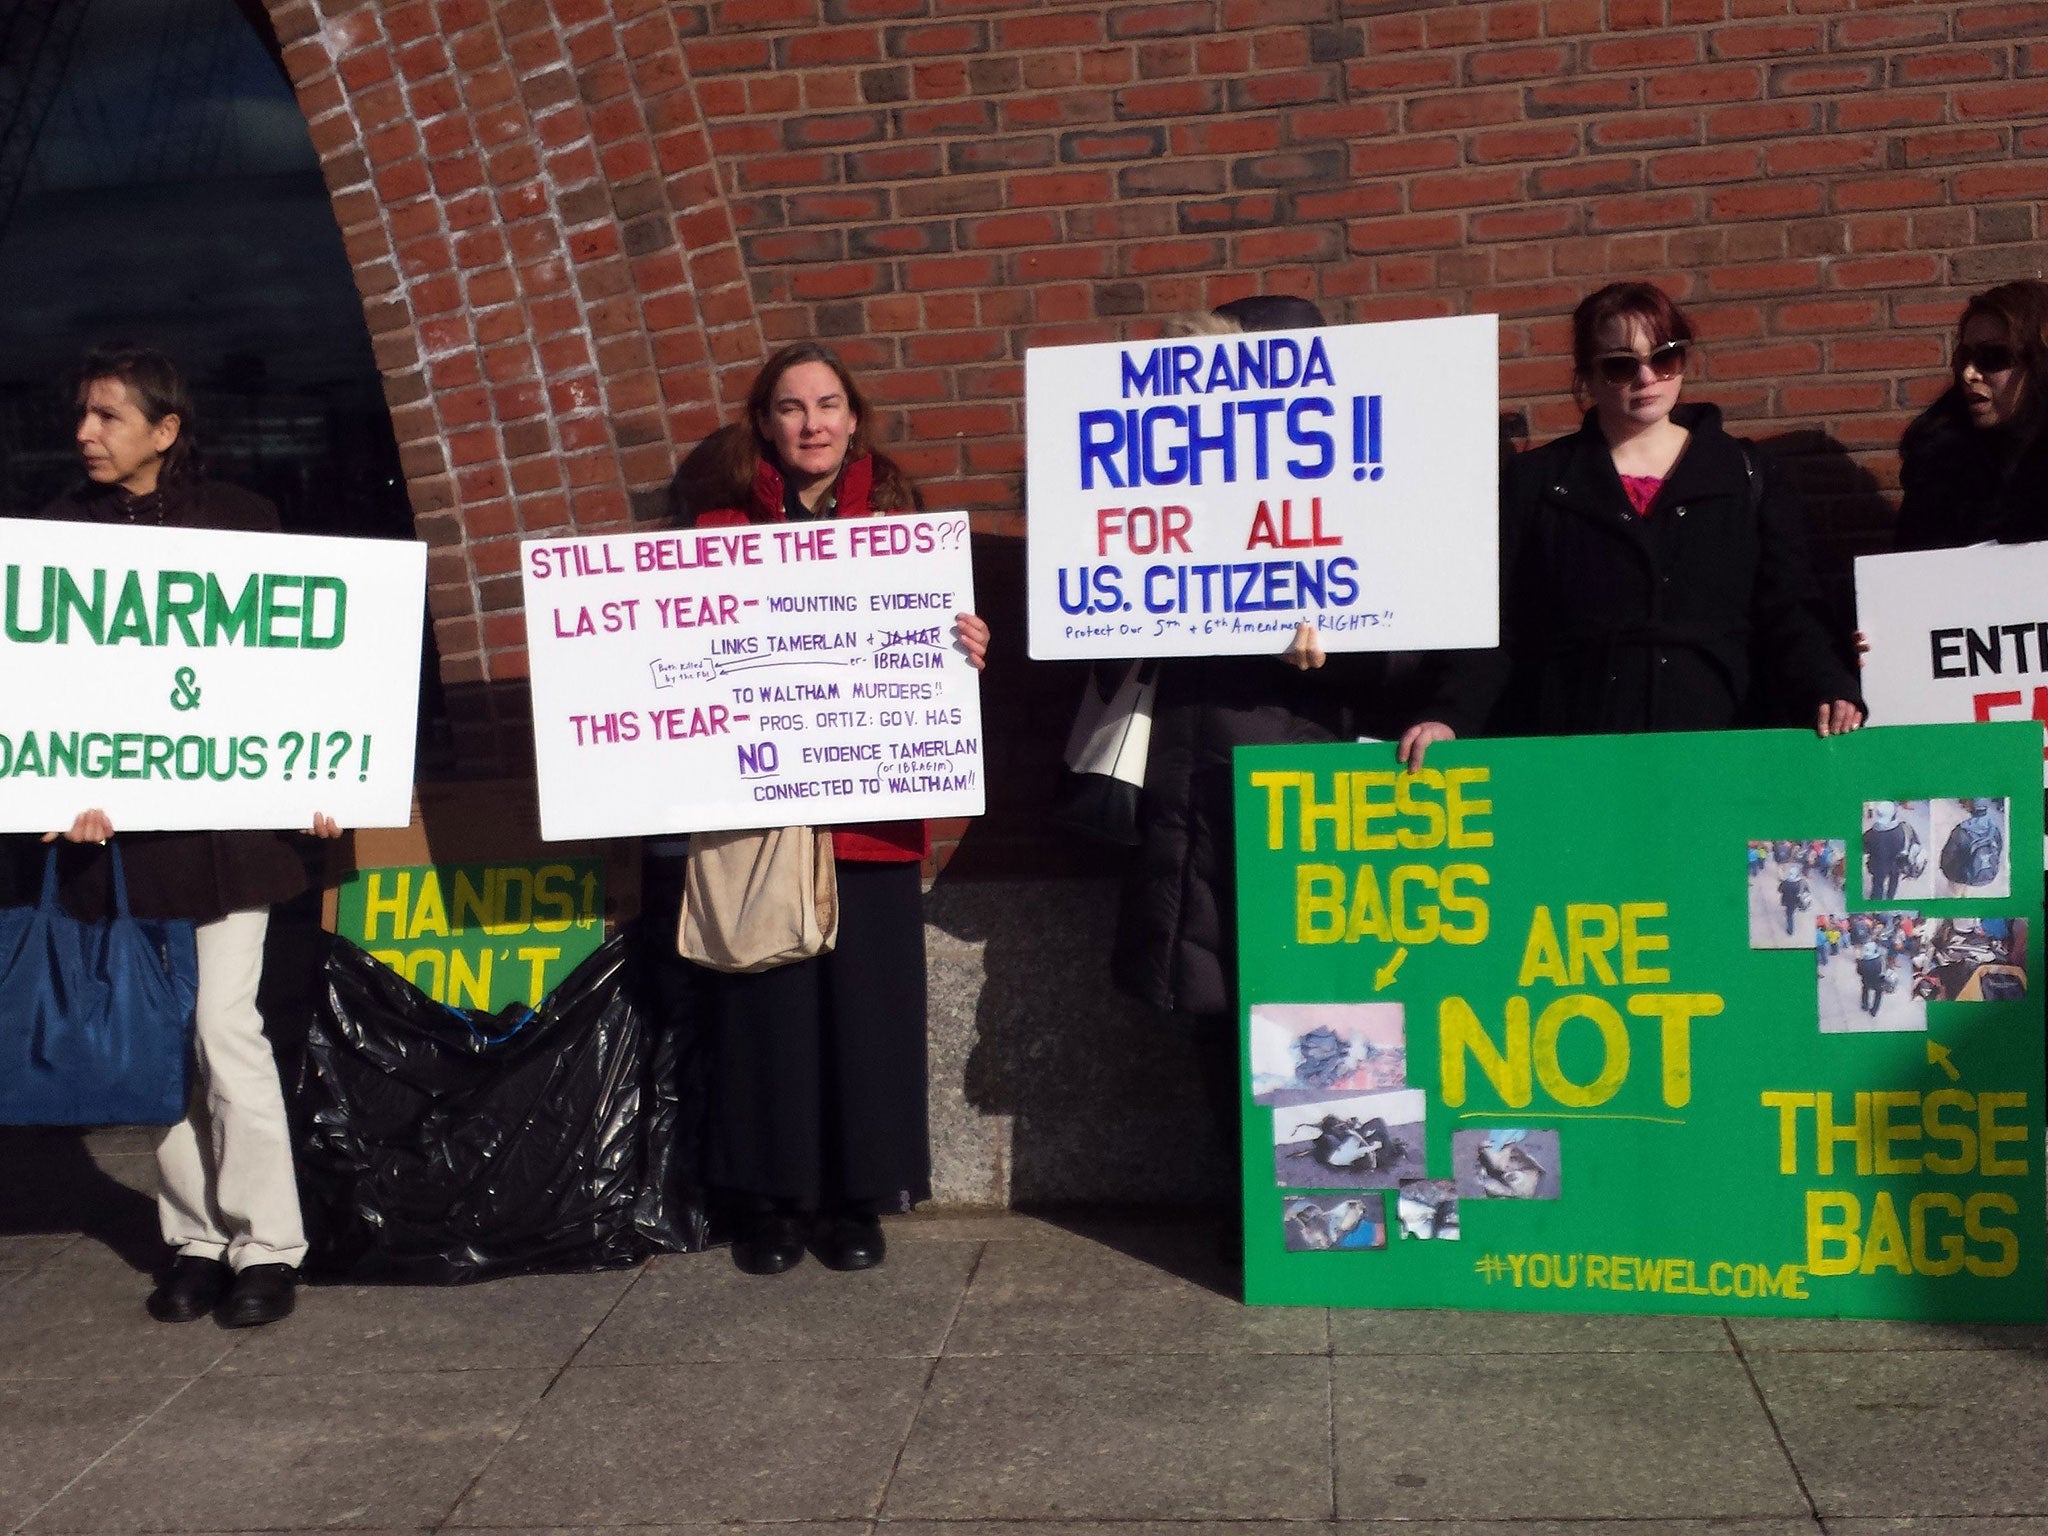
1676	1010
1614	1047
1460	904
1990	1133
1459	1031
1365	811
421	961
1884	1246
1368	912
1827	1133
1275	783
1318	904
1821	1231
1429	811
538	959
1543	956
1634	942
549	891
1425	930
510	880
376	904
1591	933
2001	1237
1883	1132
467	987
1964	1135
1458	806
1788	1106
472	906
1951	1258
1314	811
428	914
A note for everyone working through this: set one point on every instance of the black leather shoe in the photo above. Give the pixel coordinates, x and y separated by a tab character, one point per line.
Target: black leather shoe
851	1242
262	1293
190	1289
769	1242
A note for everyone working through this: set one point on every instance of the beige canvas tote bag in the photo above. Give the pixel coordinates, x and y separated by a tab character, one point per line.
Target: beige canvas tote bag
758	899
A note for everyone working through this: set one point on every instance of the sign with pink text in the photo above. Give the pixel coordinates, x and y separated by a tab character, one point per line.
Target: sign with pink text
766	675
1203	495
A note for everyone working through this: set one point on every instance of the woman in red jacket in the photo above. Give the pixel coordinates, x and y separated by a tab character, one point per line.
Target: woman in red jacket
818	1120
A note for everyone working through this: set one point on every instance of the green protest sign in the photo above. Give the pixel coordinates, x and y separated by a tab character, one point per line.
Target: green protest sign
1680	1023
478	935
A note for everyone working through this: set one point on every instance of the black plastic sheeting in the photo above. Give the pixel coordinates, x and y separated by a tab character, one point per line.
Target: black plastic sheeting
441	1145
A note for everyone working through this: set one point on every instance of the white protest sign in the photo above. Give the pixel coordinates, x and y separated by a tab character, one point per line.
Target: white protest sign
1201	496
183	679
764	675
1955	634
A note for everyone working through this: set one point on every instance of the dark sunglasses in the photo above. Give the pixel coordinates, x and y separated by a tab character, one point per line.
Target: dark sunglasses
1985	356
1666	362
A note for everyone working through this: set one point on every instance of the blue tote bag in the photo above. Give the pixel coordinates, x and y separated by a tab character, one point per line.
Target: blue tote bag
95	1018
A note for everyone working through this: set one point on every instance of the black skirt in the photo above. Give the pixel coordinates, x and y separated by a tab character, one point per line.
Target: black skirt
818	1068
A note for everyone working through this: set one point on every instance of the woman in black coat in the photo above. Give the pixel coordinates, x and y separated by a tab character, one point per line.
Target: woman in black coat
1176	935
1654	574
1974	465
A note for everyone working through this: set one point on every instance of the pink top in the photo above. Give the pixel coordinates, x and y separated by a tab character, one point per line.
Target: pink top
1642	490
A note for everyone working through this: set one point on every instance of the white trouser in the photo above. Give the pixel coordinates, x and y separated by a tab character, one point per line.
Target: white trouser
226	1189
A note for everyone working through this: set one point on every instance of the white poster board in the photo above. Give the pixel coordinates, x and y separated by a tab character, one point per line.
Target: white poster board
182	679
1201	496
773	674
1955	634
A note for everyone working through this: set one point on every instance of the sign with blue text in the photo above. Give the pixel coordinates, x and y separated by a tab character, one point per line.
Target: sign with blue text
1201	496
766	675
1741	1022
184	679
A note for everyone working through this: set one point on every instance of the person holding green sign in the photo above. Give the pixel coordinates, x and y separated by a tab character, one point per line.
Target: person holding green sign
1654	574
228	1202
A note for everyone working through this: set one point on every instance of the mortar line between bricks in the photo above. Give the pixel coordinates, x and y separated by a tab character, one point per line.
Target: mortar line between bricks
533	1407
133	1430
1777	1434
925	1390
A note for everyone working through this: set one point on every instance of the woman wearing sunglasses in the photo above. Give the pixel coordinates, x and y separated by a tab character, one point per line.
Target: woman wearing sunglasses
1654	574
1974	466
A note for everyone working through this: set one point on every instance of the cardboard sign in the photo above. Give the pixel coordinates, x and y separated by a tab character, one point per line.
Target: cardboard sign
183	679
755	676
478	935
1677	1023
1202	496
1955	634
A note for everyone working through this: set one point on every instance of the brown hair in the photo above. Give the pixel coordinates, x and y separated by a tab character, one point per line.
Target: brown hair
745	447
1644	302
158	390
2022	308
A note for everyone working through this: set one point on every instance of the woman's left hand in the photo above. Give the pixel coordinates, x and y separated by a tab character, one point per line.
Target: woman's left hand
1839	718
972	632
325	827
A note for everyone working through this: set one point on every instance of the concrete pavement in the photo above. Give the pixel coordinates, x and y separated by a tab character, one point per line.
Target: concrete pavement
1001	1376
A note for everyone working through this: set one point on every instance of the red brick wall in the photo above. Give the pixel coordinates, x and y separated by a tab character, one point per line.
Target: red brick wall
577	224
